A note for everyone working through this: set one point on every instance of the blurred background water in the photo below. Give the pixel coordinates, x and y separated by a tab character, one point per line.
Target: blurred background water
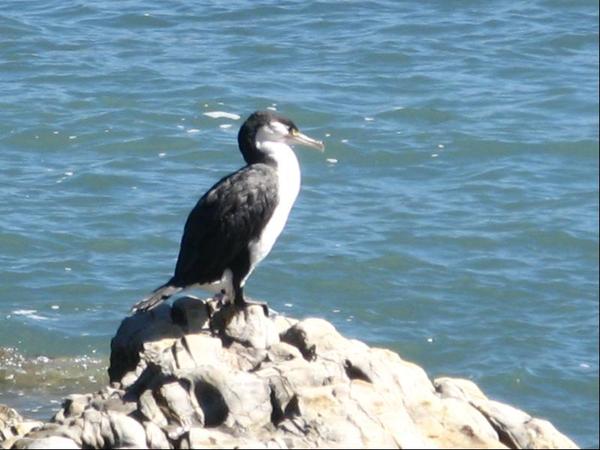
453	217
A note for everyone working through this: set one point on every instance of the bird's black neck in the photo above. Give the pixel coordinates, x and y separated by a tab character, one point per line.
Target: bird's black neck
251	154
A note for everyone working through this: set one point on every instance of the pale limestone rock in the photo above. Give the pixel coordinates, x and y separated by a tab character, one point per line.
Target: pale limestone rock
13	426
515	428
312	337
95	429
390	412
459	388
50	442
204	375
199	349
128	432
209	438
148	406
283	323
235	399
246	359
155	438
542	434
283	351
252	328
135	331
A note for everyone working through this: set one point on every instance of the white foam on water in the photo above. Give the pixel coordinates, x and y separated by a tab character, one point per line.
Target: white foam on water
24	312
225	125
30	313
332	160
221	115
193	131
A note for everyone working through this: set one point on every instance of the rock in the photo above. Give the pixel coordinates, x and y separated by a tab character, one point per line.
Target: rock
96	429
73	406
155	436
191	314
203	375
149	408
127	432
213	438
13	426
252	328
136	331
515	428
178	405
309	334
50	442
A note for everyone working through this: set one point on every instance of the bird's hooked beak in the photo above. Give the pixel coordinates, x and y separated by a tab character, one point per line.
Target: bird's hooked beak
295	137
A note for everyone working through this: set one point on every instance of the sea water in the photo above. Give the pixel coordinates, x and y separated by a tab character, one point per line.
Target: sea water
453	217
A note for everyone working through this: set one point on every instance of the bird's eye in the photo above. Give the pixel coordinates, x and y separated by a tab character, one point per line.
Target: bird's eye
293	131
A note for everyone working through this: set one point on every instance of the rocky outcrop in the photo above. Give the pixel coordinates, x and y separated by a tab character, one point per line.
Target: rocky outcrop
195	375
13	426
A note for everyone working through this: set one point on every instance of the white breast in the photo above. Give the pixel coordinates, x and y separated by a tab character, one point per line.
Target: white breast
288	187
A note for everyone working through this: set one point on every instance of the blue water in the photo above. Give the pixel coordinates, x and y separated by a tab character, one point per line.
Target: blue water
452	218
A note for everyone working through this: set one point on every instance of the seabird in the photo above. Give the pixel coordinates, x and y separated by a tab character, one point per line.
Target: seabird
236	222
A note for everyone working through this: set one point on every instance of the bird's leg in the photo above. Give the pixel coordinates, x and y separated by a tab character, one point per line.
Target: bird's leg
242	302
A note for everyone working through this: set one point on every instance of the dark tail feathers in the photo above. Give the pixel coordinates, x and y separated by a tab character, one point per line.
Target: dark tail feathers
158	296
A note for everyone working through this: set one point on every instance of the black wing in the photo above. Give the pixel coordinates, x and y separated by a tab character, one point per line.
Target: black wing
224	220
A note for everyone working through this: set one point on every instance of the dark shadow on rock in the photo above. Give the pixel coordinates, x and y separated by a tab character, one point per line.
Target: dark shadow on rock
212	404
133	333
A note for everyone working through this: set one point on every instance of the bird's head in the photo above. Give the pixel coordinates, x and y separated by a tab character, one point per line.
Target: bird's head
264	128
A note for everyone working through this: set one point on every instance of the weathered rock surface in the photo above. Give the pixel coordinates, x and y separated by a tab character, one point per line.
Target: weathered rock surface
13	426
198	376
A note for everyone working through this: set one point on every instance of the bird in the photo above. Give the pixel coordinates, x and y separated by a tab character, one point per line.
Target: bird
235	224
